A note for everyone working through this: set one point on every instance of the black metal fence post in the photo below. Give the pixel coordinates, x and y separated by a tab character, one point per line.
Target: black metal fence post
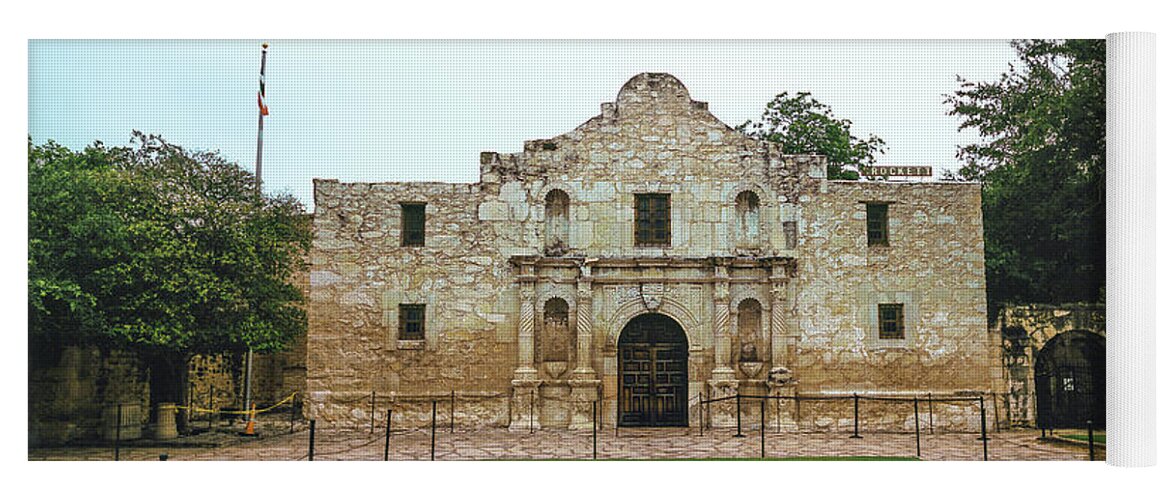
372	412
312	435
1090	437
856	435
595	429
738	433
453	412
995	414
983	429
762	401
118	435
918	447
930	414
433	405
386	445
210	403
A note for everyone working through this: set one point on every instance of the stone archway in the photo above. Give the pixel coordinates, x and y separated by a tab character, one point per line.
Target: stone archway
1070	377
652	372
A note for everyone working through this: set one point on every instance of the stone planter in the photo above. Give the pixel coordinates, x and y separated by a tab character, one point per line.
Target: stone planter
165	428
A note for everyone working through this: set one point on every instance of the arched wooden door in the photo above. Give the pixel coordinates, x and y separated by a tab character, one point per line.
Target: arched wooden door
1070	375
652	373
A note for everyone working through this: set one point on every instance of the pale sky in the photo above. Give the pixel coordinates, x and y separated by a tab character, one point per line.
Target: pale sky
424	110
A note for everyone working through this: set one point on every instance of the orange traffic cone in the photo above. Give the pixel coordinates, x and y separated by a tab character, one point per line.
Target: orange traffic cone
250	427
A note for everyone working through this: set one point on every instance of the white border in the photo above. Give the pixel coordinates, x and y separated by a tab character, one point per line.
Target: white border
1130	248
595	19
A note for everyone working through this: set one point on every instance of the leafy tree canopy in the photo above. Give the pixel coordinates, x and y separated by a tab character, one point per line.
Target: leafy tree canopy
1042	160
802	125
159	250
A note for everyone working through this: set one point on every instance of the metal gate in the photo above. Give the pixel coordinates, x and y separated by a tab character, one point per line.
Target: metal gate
1071	381
652	369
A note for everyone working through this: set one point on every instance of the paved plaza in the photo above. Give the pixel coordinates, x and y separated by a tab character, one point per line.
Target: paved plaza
276	443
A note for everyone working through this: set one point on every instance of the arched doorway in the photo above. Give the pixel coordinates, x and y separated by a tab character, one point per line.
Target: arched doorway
1070	375
652	373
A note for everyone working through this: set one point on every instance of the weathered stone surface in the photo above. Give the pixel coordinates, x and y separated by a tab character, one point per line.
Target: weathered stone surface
1024	331
489	269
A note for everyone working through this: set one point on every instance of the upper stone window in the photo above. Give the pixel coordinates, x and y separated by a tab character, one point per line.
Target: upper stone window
789	228
747	224
652	219
890	322
556	222
414	224
411	321
877	224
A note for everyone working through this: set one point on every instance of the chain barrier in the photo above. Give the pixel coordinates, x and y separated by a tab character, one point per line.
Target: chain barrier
197	409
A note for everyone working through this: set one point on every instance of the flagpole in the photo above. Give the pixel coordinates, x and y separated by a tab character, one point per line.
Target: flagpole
259	194
260	117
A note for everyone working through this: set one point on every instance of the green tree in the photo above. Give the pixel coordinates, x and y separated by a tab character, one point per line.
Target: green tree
802	125
161	251
1042	161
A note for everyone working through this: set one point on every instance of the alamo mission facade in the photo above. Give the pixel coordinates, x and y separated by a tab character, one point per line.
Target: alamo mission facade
648	259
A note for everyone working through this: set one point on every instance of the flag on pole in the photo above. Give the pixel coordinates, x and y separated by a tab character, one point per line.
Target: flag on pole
260	97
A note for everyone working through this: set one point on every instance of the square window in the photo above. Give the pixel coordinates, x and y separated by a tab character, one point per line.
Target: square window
877	227
652	220
414	222
890	322
411	321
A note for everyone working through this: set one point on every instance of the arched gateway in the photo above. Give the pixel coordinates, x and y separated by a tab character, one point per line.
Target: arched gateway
652	372
1071	381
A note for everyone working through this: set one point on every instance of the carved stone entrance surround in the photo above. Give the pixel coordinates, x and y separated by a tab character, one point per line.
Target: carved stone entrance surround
608	292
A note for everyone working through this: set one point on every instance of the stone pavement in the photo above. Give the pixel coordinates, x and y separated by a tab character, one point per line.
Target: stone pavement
662	444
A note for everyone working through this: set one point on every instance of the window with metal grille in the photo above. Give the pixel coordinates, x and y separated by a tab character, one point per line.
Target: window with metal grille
414	223
652	219
877	229
890	322
411	321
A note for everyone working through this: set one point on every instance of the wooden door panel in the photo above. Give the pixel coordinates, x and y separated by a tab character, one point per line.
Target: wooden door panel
653	373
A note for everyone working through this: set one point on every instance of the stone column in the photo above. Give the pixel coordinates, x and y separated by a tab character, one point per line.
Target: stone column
585	327
524	331
723	380
766	330
779	333
525	382
721	328
780	379
584	383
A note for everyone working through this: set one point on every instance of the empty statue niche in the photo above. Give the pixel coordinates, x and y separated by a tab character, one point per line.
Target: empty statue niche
556	223
746	228
556	339
748	338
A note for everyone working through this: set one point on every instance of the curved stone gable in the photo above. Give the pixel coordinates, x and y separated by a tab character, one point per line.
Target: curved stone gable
653	131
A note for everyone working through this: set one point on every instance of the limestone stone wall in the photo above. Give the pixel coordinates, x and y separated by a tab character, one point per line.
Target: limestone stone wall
360	274
214	382
752	230
934	265
74	396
